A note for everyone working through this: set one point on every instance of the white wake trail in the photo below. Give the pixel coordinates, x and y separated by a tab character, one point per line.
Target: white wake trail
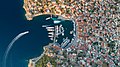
10	46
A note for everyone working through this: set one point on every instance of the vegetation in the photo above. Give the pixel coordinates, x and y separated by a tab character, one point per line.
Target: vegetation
44	60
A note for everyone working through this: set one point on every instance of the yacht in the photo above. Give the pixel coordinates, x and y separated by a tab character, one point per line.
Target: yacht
50	28
56	21
51	33
50	36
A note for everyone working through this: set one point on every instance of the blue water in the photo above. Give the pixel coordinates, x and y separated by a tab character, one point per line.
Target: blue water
12	23
68	26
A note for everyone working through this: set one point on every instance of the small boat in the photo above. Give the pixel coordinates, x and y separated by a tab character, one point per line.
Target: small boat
50	27
51	33
56	22
62	34
71	32
48	18
45	25
50	36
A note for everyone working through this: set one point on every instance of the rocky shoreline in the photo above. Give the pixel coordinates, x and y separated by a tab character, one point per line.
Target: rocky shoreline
33	61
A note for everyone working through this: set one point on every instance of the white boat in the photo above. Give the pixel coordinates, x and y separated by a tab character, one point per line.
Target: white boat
62	34
60	25
49	27
50	36
45	25
56	22
48	18
71	32
56	40
57	29
60	28
51	33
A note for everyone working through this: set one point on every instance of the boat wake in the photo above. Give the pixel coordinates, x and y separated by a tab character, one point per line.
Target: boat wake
10	46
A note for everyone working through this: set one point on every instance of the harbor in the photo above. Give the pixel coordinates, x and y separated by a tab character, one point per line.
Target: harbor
91	38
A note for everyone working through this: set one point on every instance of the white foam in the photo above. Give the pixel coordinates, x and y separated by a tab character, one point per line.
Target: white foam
10	46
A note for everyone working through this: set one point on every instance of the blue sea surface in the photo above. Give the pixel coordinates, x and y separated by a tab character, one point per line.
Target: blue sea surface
12	23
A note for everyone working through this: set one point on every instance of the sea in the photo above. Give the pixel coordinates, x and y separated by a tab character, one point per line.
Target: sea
14	22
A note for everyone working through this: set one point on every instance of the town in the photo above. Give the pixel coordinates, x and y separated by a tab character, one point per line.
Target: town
97	33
